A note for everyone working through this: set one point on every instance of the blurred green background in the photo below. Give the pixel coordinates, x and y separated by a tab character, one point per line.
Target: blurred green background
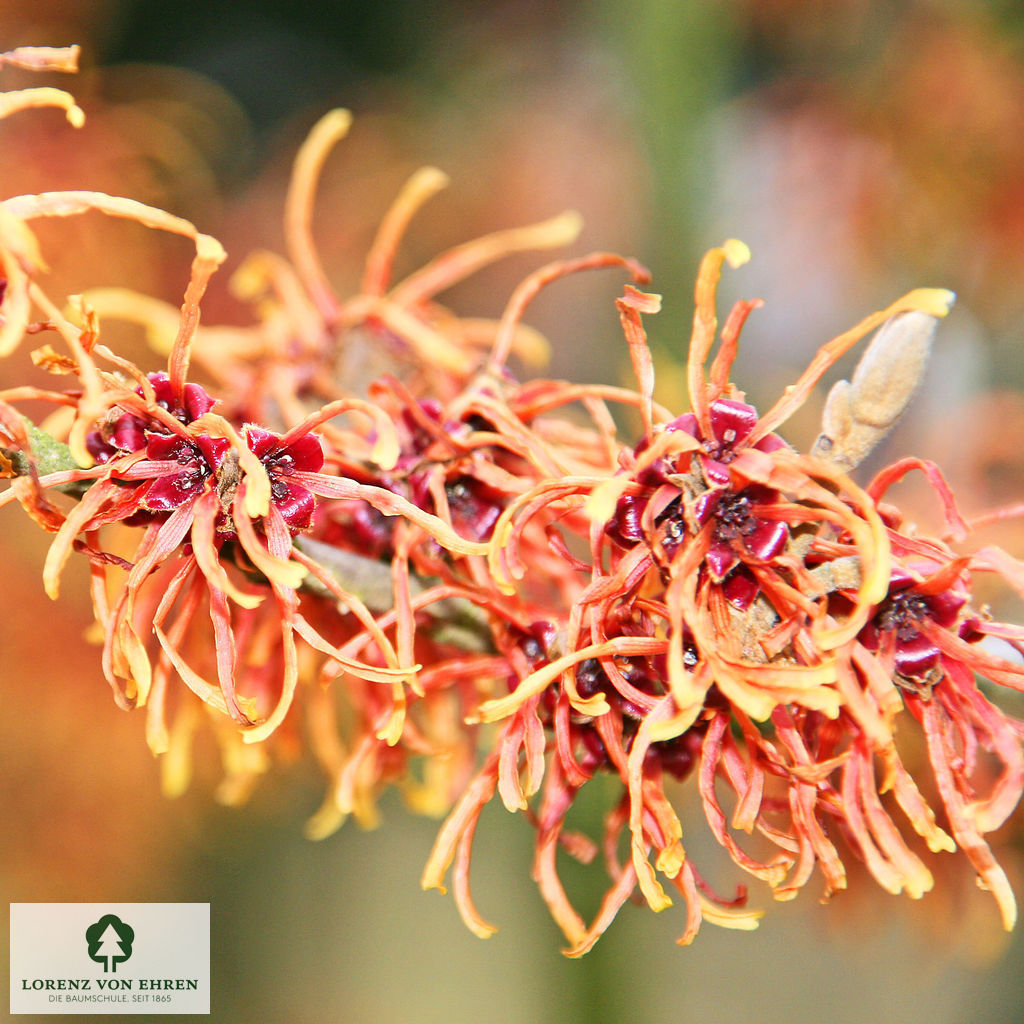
860	148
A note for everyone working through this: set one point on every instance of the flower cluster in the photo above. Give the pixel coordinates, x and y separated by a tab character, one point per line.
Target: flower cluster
471	592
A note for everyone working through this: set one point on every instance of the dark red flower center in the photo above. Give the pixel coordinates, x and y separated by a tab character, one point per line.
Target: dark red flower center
900	616
194	467
733	517
721	448
196	460
277	466
673	527
900	613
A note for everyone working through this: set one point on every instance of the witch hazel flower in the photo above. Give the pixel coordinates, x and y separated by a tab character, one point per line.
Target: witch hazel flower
729	426
921	651
125	432
731	422
180	469
752	581
219	507
281	460
736	523
216	577
901	623
253	488
471	593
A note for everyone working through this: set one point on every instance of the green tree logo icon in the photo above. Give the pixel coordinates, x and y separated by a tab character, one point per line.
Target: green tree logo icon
110	942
